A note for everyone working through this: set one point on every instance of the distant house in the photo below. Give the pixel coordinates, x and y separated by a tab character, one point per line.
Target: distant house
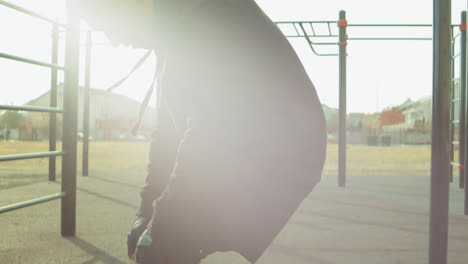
112	116
417	123
418	115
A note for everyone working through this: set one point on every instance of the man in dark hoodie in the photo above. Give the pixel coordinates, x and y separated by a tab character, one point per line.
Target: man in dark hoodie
241	136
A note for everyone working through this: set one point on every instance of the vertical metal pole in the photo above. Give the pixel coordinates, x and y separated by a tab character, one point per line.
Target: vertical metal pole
453	99
440	162
87	87
465	108
53	103
70	121
342	24
462	128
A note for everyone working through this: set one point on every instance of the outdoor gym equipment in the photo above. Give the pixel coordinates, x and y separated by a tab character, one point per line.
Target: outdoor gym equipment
443	97
69	111
443	107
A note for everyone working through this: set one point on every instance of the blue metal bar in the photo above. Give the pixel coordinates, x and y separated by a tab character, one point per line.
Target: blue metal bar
313	22
389	38
70	123
85	159
31	108
462	127
29	61
297	31
439	195
312	28
452	106
311	44
342	142
389	25
53	103
310	36
329	29
31	156
44	199
28	12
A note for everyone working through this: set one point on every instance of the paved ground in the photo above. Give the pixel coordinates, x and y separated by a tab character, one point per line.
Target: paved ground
380	220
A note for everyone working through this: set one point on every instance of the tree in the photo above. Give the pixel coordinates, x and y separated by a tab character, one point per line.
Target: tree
332	123
392	116
11	119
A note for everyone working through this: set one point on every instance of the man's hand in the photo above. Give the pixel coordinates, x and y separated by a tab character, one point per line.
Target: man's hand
134	235
143	250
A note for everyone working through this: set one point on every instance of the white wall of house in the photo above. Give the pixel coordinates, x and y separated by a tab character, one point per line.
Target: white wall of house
103	106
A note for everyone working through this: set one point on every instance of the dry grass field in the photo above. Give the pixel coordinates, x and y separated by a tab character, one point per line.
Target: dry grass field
133	156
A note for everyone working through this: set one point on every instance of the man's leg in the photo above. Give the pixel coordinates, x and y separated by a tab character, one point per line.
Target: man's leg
162	157
180	220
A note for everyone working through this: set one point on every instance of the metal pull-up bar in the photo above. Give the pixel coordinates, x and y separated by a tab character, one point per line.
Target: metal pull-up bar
68	193
306	30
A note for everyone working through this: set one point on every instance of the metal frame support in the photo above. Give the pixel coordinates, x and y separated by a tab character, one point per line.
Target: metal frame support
28	12
53	103
70	116
464	108
31	108
462	128
30	61
32	202
439	204
85	159
342	24
453	98
70	121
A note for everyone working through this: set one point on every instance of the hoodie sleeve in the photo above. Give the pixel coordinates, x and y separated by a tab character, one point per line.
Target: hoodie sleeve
161	161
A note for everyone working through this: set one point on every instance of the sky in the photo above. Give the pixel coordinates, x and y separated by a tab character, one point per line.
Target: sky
381	74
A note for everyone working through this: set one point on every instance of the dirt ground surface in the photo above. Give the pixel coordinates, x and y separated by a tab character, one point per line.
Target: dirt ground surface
375	220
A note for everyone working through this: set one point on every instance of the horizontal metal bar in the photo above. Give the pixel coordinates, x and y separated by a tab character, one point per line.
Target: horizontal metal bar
328	55
35	62
31	156
362	25
460	166
455	142
455	121
31	109
29	12
305	22
456	100
390	25
390	39
44	199
310	36
325	43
